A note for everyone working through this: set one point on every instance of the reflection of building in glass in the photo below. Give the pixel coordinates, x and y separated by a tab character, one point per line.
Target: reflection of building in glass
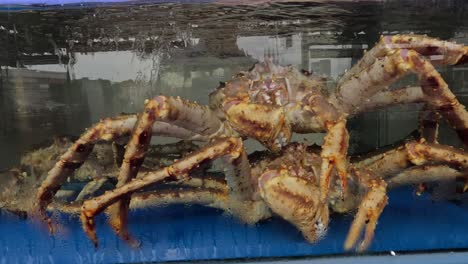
333	60
30	111
282	49
320	55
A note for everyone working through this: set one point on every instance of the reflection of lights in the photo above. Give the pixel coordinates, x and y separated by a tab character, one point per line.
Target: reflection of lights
348	46
9	31
318	33
192	41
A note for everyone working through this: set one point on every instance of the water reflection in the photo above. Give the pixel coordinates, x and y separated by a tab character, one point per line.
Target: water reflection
63	70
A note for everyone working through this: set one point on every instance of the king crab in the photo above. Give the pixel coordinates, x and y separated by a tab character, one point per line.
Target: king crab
267	103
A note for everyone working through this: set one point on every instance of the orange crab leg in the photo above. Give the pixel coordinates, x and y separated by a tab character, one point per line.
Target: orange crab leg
231	147
445	52
366	218
425	173
176	111
432	162
108	129
334	155
394	57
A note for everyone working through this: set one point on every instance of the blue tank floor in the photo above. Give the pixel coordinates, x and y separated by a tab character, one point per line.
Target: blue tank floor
189	233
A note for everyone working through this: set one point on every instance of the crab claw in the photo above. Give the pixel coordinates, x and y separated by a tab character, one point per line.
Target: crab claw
89	227
367	216
265	123
297	200
334	156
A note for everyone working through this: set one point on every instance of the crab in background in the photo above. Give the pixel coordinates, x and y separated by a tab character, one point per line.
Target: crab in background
98	173
268	104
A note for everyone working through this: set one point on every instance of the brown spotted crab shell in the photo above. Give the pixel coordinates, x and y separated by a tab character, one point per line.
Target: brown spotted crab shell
302	160
252	101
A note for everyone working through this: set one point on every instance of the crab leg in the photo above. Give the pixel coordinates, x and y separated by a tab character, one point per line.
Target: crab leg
108	129
165	155
202	182
351	95
207	197
95	185
203	185
219	199
336	141
434	162
368	213
163	152
446	53
440	98
232	147
355	92
429	153
386	163
248	211
334	155
176	111
172	149
400	96
413	153
425	173
77	154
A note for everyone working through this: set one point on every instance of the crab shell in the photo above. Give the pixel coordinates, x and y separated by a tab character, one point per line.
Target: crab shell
259	103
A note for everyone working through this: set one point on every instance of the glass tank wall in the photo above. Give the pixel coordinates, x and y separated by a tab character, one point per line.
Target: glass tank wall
65	68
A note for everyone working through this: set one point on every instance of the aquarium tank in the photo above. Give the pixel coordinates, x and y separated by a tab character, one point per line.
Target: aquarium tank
233	131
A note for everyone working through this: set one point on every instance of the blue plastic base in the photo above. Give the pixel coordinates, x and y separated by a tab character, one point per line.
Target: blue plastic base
190	233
